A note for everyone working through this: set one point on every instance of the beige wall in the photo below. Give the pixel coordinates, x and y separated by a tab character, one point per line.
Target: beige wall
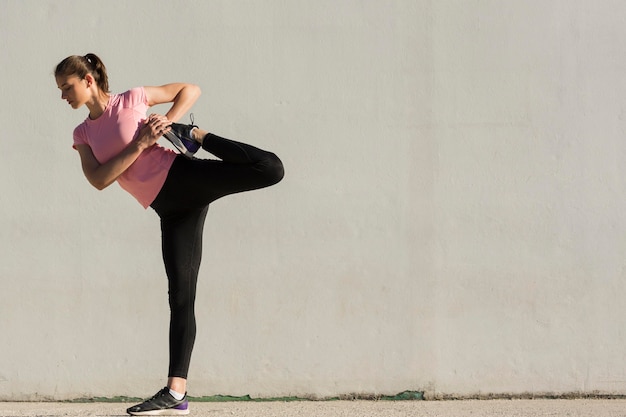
452	219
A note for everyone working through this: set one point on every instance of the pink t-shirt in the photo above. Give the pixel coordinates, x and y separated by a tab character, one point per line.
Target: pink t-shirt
110	133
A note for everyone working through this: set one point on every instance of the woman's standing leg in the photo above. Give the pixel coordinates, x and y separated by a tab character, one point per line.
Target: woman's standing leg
181	232
182	253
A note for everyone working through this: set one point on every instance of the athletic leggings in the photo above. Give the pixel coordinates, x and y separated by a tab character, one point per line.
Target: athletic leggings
182	205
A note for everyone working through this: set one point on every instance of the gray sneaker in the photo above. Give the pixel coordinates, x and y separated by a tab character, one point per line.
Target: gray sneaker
162	404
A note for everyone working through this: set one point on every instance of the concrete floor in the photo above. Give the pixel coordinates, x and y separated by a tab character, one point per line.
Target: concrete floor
474	408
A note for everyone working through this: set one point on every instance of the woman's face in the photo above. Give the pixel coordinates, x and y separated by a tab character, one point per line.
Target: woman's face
73	90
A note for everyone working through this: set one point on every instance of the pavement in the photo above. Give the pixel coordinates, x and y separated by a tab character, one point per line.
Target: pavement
359	408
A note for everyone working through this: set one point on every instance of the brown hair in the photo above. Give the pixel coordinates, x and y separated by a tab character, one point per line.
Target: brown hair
83	65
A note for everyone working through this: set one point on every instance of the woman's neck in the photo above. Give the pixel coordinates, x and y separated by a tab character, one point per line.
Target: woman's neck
97	105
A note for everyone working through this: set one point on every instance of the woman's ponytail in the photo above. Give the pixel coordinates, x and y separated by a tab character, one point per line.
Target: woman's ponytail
99	71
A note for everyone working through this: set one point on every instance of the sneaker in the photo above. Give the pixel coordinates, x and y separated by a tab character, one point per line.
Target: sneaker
181	138
162	404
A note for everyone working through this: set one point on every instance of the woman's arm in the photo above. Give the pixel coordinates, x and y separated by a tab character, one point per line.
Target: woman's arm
183	95
102	175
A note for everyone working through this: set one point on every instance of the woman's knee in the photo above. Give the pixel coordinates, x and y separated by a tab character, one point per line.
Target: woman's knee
273	168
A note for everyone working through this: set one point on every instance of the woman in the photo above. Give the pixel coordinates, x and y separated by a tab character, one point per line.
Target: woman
117	142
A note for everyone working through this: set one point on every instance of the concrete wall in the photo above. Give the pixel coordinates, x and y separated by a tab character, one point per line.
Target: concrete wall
452	219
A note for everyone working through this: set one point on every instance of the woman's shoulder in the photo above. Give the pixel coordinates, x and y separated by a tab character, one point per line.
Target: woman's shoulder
80	133
134	96
134	91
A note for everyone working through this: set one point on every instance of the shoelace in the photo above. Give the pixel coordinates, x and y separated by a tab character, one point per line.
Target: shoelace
160	394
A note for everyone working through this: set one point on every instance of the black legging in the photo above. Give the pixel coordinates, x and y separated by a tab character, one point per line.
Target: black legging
182	205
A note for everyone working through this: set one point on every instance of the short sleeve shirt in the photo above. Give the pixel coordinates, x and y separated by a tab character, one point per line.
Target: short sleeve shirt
110	133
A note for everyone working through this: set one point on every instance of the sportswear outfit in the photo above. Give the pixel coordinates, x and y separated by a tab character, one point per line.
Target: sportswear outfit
179	190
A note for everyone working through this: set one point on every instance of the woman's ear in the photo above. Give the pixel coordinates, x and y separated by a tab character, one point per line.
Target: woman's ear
90	80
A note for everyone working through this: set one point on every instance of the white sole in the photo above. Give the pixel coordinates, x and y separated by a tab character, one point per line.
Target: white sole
166	412
178	144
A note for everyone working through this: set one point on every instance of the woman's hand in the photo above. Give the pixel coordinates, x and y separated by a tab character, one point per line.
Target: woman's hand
154	127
